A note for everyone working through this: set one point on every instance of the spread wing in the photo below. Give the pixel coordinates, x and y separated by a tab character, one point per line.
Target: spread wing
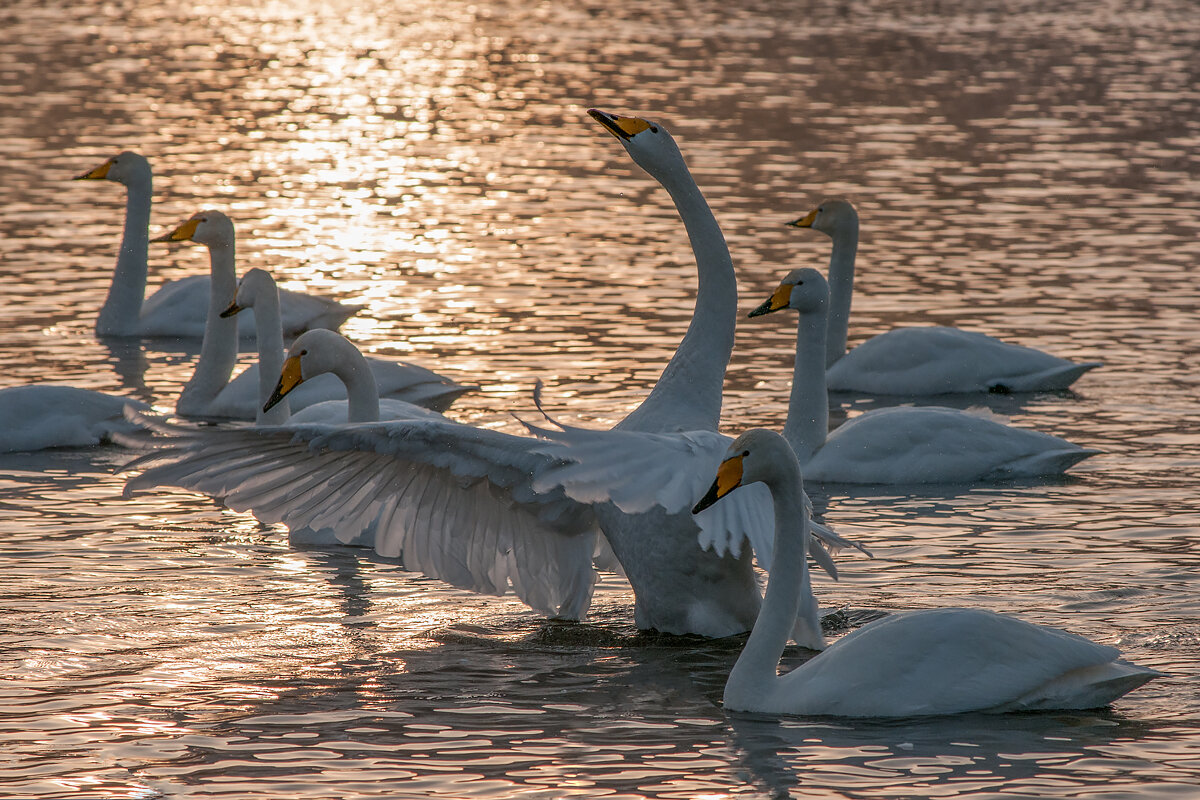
452	501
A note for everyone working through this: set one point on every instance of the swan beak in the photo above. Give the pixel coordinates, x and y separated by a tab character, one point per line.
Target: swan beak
289	378
804	222
779	299
183	233
729	477
99	173
233	309
624	128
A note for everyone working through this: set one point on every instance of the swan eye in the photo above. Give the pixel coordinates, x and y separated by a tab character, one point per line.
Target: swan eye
745	453
654	129
303	352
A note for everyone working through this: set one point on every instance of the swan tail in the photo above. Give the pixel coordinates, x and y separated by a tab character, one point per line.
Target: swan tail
1056	378
1087	687
1051	462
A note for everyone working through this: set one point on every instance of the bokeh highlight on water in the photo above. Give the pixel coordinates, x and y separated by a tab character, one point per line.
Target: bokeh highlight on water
1025	172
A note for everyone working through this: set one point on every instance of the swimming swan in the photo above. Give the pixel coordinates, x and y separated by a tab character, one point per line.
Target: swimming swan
40	416
404	384
920	360
179	308
210	393
456	502
901	445
922	663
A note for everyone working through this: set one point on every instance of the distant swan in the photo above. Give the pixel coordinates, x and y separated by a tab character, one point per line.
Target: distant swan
921	360
40	416
923	663
896	445
210	393
179	308
456	502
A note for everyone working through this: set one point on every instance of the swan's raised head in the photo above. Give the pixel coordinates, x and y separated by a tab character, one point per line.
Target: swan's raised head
313	353
648	143
208	227
255	284
757	455
831	216
125	168
802	289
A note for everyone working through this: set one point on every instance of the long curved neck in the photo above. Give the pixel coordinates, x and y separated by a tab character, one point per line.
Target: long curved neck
361	388
688	393
218	351
808	408
758	665
841	290
268	328
121	312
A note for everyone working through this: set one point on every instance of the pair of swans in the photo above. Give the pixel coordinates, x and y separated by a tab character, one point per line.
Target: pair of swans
458	503
940	661
922	360
211	393
178	308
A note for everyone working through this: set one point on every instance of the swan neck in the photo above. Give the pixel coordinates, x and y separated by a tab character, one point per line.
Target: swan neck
687	395
218	351
268	327
808	408
757	668
361	389
841	290
121	312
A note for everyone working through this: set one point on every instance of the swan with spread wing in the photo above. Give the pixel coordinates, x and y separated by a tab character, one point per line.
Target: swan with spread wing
457	502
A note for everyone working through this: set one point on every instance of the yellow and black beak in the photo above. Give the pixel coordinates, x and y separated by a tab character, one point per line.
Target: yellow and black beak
233	309
97	174
289	379
778	299
624	128
729	477
804	222
183	233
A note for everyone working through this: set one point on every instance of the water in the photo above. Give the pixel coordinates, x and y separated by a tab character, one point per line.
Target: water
1028	173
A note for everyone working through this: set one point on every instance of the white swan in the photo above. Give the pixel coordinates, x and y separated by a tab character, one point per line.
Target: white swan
40	416
924	360
210	393
457	503
942	661
179	308
899	445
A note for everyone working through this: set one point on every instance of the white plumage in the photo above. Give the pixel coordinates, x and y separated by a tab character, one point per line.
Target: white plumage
942	661
179	308
920	360
41	416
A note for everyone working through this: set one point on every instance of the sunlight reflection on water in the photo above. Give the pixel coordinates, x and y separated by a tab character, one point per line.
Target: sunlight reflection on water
1027	173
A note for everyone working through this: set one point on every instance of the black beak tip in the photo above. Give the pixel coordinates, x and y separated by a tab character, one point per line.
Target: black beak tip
709	498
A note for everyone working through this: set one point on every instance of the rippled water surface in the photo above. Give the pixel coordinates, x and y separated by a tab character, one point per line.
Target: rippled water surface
1027	173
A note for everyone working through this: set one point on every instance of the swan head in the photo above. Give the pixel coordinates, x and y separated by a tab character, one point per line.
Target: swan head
124	168
832	216
255	284
758	455
208	227
313	353
648	143
805	290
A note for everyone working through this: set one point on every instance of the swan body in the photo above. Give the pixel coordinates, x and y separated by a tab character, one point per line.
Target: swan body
899	445
40	416
458	503
920	360
923	663
211	393
179	308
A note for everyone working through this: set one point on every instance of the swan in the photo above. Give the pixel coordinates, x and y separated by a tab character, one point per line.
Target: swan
901	445
40	416
210	393
921	360
922	663
178	308
456	502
